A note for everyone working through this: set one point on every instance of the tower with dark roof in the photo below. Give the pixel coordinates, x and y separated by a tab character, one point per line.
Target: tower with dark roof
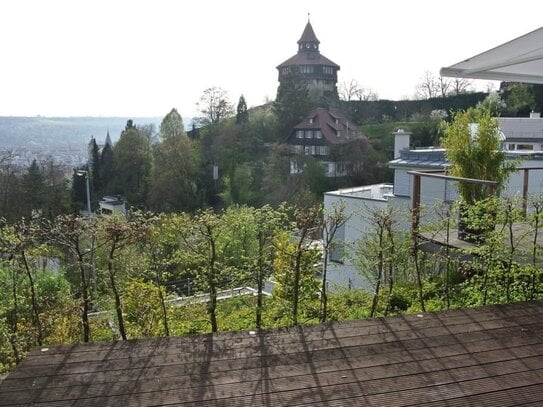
319	71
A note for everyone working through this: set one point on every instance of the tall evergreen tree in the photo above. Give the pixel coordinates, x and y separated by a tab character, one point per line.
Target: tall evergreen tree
79	190
107	169
242	115
95	167
33	189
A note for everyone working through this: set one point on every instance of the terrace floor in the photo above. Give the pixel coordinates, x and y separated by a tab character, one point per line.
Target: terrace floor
489	356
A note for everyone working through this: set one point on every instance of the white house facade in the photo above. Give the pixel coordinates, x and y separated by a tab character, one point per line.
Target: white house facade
359	202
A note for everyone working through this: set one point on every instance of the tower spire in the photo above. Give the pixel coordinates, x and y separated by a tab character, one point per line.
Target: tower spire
309	17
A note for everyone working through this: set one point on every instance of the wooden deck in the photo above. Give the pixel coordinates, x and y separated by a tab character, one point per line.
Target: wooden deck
490	356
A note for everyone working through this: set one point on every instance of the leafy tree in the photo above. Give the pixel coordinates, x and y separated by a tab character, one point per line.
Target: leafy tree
519	99
493	103
277	185
160	252
242	115
268	223
117	234
143	307
10	188
33	189
72	234
295	260
314	177
174	175
172	126
203	251
373	254
133	164
474	152
332	221
239	188
292	103
214	106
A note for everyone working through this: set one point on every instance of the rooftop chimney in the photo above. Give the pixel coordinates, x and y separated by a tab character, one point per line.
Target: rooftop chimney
535	115
402	140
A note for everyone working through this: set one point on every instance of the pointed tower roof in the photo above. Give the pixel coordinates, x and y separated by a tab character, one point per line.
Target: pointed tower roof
308	35
108	140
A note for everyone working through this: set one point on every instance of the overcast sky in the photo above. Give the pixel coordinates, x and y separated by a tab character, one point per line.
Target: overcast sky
141	58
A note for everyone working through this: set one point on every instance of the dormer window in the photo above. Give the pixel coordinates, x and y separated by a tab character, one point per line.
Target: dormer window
311	120
337	121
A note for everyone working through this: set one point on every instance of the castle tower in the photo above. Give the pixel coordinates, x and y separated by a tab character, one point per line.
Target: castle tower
319	71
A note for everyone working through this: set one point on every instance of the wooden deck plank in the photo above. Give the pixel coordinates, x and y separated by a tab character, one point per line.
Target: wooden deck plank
443	345
448	357
399	323
451	355
382	333
468	340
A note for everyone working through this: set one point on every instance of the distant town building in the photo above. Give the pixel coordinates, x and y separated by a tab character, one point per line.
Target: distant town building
100	146
319	71
112	205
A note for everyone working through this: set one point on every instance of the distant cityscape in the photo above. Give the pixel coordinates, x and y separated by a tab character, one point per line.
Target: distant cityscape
63	139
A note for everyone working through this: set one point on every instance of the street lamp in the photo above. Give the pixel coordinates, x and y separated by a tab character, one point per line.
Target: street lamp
83	173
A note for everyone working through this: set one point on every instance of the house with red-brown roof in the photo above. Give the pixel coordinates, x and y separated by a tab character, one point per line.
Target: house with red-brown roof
319	135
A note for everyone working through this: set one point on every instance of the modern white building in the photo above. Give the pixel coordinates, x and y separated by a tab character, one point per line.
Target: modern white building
359	202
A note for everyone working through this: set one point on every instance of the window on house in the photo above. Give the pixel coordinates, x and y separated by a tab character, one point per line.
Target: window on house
336	252
525	147
299	134
317	134
310	120
309	134
322	150
297	149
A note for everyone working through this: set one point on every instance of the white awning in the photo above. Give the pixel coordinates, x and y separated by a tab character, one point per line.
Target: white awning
519	60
